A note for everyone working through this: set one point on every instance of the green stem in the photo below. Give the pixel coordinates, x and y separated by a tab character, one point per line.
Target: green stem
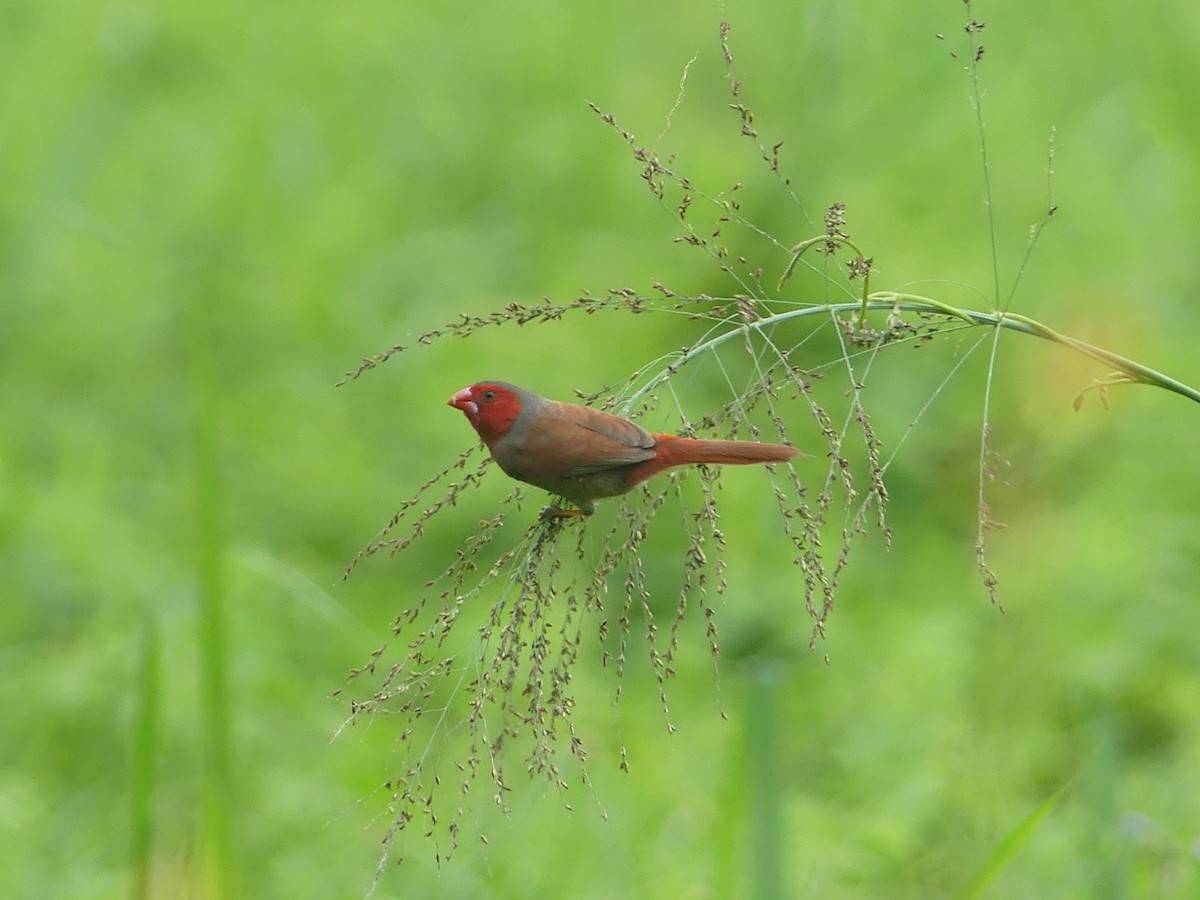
217	818
146	748
1132	370
891	300
830	240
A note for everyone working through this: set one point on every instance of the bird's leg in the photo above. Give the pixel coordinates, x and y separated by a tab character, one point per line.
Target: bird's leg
550	513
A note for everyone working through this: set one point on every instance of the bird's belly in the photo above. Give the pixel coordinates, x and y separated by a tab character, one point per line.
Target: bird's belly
576	488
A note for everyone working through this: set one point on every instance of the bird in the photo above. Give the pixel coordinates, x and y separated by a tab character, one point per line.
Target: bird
583	454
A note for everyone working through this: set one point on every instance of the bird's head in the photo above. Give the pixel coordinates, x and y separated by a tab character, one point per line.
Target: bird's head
490	406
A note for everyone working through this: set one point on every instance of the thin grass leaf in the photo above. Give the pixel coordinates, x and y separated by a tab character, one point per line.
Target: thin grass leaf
145	753
1006	851
217	814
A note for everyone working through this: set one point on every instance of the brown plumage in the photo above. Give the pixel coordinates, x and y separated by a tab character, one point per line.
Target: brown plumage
583	454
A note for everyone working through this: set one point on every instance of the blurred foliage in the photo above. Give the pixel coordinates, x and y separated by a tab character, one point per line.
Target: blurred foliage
254	197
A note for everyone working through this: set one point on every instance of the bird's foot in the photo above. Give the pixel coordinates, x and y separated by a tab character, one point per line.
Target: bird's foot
557	513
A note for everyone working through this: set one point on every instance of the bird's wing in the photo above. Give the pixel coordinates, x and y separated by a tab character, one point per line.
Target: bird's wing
599	441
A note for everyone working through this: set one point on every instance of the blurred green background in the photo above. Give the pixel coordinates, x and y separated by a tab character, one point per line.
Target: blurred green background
210	211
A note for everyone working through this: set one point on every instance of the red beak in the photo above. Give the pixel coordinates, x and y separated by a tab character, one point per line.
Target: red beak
464	401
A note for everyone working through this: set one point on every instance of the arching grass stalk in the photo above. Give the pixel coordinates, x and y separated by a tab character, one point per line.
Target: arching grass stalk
831	242
1127	370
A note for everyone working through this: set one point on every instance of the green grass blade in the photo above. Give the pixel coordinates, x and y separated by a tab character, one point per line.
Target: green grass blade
217	817
1004	852
145	753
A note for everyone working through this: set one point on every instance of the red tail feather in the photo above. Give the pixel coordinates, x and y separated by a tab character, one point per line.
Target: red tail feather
673	451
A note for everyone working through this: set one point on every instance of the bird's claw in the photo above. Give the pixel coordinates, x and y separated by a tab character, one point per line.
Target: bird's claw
557	514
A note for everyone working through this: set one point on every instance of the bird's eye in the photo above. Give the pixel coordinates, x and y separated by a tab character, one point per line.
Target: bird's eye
489	395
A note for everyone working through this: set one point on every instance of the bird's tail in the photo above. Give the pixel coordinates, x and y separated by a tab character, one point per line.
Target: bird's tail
671	451
684	451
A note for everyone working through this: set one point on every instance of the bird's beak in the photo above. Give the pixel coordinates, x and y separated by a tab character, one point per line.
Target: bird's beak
464	401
